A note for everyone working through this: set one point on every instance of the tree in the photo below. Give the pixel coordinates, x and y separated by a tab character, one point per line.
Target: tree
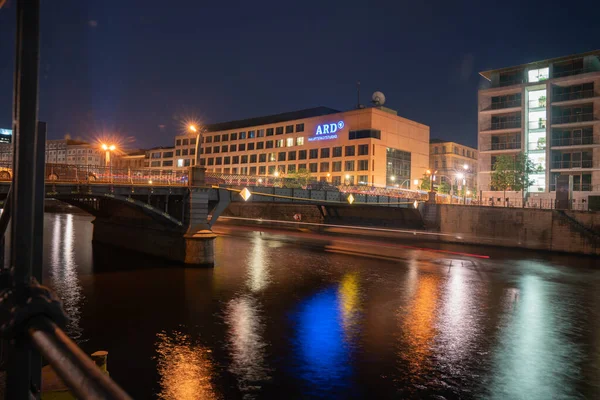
512	173
425	182
301	176
444	187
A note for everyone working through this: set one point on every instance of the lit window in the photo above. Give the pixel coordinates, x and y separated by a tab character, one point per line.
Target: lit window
538	75
289	142
300	141
180	162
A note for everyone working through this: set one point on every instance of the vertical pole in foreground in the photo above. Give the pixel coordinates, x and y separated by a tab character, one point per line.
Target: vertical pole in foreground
25	106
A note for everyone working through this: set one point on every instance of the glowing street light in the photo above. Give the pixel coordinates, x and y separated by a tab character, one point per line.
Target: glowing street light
276	173
393	178
416	182
108	148
466	167
194	129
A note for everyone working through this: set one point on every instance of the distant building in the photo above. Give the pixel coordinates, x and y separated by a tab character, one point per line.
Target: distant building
63	151
159	158
133	159
449	160
549	110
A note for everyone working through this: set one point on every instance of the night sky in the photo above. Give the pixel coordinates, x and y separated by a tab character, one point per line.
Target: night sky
136	68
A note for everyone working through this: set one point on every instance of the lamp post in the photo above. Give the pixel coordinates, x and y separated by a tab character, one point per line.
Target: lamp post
194	129
107	161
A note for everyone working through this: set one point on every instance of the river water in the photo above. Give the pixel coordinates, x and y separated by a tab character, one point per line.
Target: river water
278	320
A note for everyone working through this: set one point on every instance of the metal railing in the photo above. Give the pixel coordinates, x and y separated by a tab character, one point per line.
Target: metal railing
574	164
575	141
540	103
580	187
537	124
569	119
560	74
505	125
581	94
503	146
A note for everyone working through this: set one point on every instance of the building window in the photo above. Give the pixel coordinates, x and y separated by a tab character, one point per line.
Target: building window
236	160
349	166
363	165
325	152
289	142
312	167
178	152
336	166
252	170
272	157
289	129
299	127
363	179
216	149
227	160
300	141
242	135
178	142
436	165
260	133
301	167
291	168
302	155
218	161
269	131
242	147
210	162
398	164
262	170
350	151
279	143
253	158
324	167
363	149
538	75
184	152
225	137
260	145
365	133
217	138
233	147
224	148
262	157
155	163
269	144
281	156
250	146
291	156
208	139
313	153
271	169
337	151
244	159
233	136
279	130
251	134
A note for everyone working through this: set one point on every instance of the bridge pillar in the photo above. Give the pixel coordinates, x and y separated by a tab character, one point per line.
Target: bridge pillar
200	248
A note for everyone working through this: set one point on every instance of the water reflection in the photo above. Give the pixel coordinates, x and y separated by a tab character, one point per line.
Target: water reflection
185	368
418	326
325	326
246	345
258	276
535	358
63	272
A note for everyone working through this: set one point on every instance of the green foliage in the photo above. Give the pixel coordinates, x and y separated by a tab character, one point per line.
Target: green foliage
444	187
512	173
302	176
425	182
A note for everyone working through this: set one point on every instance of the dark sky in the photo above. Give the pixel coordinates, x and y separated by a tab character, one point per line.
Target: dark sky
133	68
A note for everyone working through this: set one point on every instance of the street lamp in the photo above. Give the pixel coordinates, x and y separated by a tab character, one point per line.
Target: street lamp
276	173
194	129
107	161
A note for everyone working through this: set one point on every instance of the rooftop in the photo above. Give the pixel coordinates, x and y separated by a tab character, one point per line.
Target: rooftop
441	141
271	119
488	74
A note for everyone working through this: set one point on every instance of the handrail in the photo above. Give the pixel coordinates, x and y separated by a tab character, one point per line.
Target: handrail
75	368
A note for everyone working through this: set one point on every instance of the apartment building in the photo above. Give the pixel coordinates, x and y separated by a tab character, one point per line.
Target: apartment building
132	159
63	151
368	146
159	158
550	110
453	162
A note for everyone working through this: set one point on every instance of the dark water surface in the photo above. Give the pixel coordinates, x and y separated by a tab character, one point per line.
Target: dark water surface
275	320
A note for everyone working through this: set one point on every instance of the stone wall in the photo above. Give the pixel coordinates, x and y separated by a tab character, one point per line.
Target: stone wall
517	227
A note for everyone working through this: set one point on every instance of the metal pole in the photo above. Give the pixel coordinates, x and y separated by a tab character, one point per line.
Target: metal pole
18	383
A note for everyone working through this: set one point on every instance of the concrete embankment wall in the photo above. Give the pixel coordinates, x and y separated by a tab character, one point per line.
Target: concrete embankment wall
516	227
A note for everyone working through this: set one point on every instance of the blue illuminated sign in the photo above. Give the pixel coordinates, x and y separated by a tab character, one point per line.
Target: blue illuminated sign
327	131
5	135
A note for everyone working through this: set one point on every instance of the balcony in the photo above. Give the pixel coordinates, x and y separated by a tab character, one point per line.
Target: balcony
541	124
579	187
582	94
503	146
504	104
581	141
574	164
538	103
494	126
571	119
579	71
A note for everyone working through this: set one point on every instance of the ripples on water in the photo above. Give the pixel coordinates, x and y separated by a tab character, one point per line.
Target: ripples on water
273	320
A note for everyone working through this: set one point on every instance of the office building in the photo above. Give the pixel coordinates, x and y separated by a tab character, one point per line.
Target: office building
449	159
550	110
365	146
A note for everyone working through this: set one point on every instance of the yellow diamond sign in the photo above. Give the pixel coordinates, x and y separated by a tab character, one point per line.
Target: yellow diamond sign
416	204
350	199
245	193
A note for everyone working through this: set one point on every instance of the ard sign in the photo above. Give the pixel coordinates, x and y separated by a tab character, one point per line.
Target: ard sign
327	131
5	135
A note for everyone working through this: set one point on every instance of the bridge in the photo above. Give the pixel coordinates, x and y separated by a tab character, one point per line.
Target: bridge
171	213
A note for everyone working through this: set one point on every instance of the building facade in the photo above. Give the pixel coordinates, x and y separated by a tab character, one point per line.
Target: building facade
63	151
449	159
134	159
159	158
549	110
369	146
